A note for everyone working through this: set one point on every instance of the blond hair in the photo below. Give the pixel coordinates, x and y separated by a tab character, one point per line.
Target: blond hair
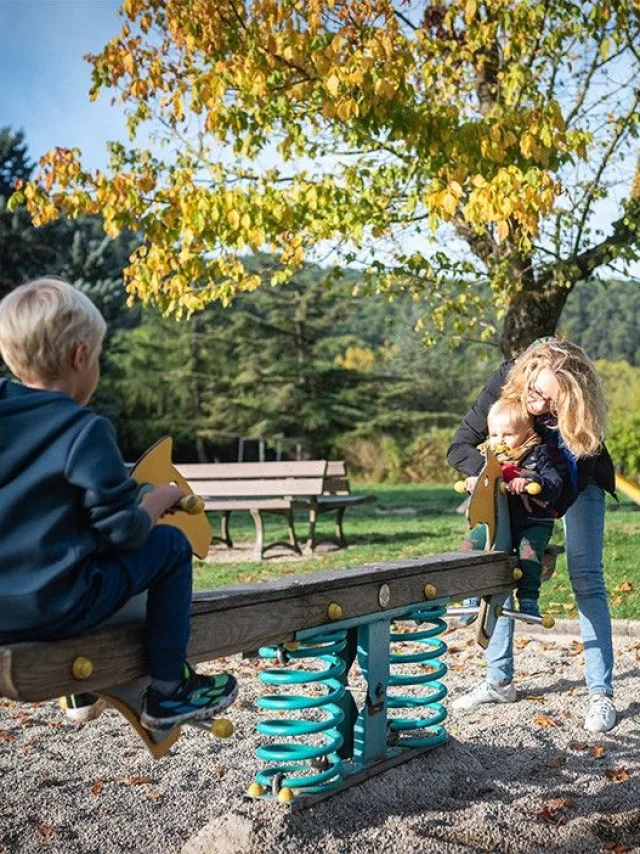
40	325
514	407
580	410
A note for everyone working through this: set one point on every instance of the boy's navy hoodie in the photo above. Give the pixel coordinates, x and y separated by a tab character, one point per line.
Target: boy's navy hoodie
64	497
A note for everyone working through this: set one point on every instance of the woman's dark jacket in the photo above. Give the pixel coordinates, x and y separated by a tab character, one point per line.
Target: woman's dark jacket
465	456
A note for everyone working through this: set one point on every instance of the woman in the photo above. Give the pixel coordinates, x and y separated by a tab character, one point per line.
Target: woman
557	384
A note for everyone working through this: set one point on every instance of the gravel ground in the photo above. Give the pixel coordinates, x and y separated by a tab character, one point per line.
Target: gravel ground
519	778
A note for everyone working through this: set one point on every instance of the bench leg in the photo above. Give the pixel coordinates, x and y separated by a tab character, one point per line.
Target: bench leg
259	546
311	540
225	526
291	543
342	542
224	530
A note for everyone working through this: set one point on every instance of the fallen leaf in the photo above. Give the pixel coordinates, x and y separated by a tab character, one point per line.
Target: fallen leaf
578	745
153	795
551	816
45	830
97	788
557	762
135	781
624	587
539	698
598	751
617	600
520	643
544	721
6	736
617	775
615	847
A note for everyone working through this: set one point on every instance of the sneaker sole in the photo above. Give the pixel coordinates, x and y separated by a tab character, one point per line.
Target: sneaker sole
207	713
84	714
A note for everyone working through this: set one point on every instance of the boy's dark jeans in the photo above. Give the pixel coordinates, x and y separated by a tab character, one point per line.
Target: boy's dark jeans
529	543
163	567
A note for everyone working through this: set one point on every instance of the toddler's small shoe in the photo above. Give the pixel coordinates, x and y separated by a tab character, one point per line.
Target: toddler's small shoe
530	608
198	697
467	619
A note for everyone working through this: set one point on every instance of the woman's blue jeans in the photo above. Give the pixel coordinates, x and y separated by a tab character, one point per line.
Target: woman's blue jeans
584	539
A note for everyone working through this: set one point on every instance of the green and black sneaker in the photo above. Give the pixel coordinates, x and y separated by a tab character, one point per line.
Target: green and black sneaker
199	697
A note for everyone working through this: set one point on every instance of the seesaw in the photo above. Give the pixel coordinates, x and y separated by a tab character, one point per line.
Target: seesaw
321	734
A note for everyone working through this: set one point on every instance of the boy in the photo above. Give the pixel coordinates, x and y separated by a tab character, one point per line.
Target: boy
76	545
524	459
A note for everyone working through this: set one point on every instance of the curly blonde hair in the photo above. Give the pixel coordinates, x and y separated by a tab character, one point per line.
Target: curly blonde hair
580	410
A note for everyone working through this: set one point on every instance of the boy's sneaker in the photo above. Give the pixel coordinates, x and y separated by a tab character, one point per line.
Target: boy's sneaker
601	715
199	697
82	708
530	608
467	619
485	692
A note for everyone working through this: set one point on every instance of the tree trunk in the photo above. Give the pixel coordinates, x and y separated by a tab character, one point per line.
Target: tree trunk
532	314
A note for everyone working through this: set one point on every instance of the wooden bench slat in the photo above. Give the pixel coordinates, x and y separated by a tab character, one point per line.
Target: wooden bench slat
194	472
258	488
218	504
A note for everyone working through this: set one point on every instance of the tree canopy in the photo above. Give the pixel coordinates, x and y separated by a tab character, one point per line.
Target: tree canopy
443	145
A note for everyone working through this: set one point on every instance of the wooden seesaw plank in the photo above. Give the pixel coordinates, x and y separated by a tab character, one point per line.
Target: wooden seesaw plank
241	618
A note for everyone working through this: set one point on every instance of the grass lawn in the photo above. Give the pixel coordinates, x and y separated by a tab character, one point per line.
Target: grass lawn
409	521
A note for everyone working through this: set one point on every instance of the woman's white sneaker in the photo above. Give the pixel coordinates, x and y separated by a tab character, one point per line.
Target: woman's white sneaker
485	692
601	715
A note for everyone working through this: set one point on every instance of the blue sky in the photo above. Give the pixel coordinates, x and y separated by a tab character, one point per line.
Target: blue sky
44	82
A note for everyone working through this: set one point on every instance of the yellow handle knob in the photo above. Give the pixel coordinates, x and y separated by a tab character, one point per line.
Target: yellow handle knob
459	486
191	504
548	621
517	574
82	667
530	488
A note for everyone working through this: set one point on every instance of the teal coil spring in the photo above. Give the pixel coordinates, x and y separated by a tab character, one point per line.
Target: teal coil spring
309	768
429	691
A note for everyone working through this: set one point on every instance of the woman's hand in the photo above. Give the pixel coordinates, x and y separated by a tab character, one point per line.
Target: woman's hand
161	499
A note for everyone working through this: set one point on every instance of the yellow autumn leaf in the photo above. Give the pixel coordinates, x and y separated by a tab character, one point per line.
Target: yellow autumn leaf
503	230
233	218
470	10
332	85
449	203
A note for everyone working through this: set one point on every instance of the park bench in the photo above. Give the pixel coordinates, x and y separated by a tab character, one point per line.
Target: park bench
274	488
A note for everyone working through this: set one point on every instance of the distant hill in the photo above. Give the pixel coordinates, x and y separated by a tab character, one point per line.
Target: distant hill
604	318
